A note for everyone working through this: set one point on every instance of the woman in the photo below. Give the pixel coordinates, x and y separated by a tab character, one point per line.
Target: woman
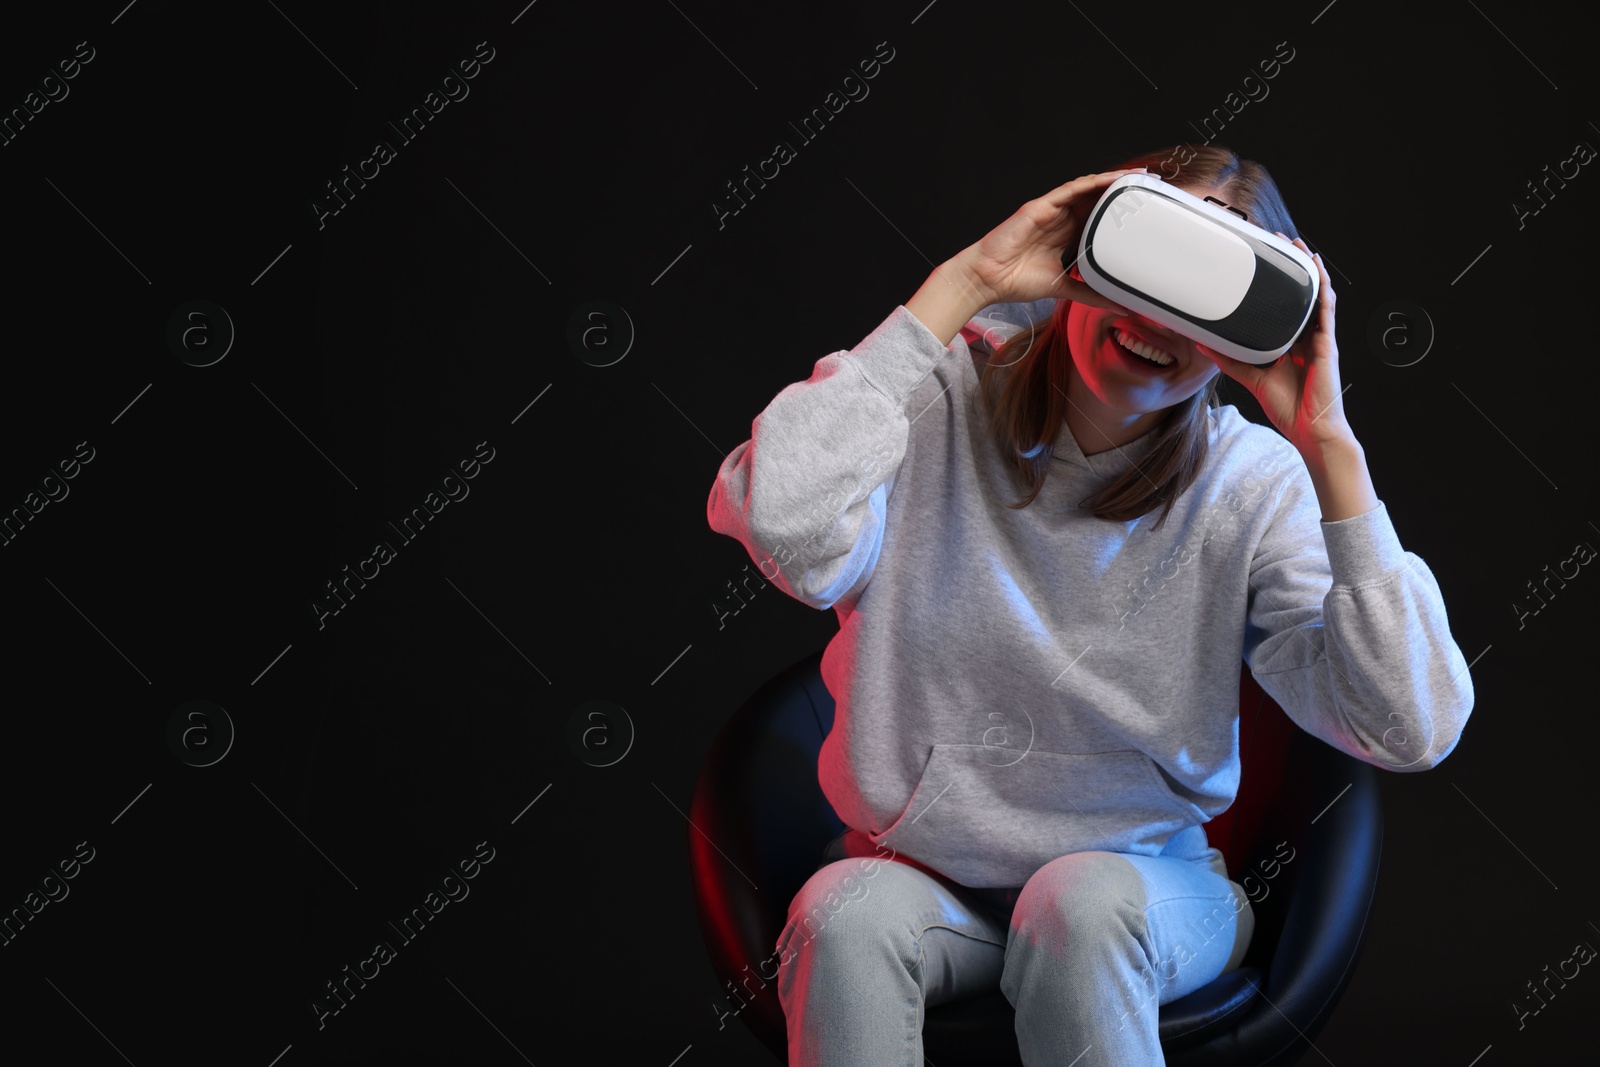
1037	695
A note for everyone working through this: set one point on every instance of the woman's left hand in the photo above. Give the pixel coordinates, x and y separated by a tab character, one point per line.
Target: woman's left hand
1300	392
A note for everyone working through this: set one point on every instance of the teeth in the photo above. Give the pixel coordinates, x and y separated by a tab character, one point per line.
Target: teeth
1139	348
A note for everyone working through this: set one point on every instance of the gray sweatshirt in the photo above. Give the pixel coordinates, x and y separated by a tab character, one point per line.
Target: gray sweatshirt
1012	685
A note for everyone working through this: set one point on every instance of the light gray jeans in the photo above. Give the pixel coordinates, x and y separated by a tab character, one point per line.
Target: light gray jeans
1086	952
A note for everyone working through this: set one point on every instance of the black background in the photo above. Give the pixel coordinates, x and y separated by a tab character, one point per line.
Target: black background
425	317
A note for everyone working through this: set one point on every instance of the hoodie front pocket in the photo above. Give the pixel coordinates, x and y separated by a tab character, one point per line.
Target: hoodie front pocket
990	823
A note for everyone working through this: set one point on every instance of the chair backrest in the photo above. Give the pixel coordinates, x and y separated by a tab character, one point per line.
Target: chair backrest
1265	734
759	821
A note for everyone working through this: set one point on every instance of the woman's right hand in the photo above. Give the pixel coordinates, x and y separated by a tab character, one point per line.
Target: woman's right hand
1020	260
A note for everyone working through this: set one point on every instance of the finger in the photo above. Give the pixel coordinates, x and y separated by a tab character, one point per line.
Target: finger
1066	192
1326	296
1317	256
1325	293
1072	203
1327	280
1325	315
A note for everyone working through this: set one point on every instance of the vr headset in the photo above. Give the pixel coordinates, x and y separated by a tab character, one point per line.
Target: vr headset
1198	269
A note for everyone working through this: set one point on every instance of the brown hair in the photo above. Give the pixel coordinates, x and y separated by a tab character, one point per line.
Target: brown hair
1030	370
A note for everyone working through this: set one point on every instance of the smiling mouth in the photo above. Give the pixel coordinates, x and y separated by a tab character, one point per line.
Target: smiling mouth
1141	351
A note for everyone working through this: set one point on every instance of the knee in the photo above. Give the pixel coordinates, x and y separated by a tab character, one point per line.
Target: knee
842	909
1081	897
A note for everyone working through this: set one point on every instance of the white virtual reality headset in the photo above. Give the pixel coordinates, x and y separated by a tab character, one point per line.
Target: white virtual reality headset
1198	269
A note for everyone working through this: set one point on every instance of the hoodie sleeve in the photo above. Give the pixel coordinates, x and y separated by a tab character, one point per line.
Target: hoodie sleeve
1347	632
807	494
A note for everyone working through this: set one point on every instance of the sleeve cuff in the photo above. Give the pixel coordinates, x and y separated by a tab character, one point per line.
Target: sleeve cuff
1363	548
898	354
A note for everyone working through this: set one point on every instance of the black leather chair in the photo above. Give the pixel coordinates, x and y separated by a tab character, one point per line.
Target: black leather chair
759	823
